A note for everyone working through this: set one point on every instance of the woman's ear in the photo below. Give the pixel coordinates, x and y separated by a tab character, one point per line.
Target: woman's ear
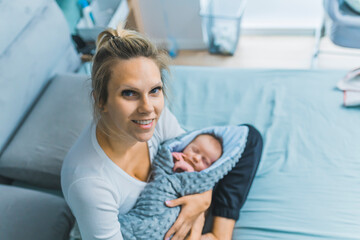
100	104
102	107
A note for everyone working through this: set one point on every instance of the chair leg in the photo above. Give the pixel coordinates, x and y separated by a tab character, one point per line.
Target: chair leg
319	33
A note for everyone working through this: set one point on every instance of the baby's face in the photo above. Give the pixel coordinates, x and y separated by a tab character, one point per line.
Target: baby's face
201	153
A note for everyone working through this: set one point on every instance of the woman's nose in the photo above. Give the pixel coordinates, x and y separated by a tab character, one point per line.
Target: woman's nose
145	105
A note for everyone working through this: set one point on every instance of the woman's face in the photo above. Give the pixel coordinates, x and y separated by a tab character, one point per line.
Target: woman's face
135	99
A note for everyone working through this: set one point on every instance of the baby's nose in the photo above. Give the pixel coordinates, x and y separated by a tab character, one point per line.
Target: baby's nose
197	157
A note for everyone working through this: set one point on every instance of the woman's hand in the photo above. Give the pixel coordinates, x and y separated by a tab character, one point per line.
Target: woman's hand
208	236
196	230
222	229
191	208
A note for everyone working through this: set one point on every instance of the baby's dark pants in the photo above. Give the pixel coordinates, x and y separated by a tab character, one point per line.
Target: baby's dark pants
230	193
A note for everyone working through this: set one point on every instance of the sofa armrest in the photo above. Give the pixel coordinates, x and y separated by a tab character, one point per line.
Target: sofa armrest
36	152
29	214
5	180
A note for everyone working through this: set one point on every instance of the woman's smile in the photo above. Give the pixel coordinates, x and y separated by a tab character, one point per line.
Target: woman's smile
145	124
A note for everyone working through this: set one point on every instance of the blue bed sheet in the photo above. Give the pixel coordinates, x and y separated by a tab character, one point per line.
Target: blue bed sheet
308	182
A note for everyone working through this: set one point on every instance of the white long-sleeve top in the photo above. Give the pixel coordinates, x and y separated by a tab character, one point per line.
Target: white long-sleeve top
96	189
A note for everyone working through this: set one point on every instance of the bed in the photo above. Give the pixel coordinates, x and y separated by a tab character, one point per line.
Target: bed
308	182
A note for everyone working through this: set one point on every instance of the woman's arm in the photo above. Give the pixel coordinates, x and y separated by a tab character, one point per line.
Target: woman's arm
94	207
192	206
231	192
222	229
169	126
196	230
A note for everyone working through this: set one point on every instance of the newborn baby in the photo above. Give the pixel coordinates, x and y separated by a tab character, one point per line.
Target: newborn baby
203	151
189	164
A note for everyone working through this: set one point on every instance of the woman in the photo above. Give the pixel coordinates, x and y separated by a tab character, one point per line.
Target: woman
107	168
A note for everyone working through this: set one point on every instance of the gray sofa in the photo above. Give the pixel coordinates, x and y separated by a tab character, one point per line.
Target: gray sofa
44	106
307	185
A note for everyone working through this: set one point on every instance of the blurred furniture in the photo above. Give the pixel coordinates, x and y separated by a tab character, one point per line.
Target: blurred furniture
169	23
221	21
106	14
307	185
345	23
343	28
43	110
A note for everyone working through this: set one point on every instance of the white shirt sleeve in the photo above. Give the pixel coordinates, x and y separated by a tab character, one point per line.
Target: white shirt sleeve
95	207
169	126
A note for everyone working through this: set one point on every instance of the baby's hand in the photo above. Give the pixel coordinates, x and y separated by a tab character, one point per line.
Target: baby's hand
178	155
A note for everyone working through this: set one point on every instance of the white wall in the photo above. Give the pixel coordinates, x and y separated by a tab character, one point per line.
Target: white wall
299	17
184	22
282	16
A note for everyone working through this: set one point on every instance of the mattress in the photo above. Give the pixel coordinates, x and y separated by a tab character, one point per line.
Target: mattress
308	181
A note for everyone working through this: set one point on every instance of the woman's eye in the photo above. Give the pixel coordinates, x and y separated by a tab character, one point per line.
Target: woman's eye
156	90
128	93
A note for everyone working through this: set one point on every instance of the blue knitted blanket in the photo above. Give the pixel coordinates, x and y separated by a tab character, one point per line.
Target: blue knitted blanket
150	218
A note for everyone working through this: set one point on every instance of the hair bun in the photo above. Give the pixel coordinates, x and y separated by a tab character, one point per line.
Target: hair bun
105	36
111	33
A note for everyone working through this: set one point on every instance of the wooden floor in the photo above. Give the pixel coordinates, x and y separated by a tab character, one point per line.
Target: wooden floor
280	52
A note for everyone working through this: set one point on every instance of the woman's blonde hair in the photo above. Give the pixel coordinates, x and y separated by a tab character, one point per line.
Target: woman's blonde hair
121	44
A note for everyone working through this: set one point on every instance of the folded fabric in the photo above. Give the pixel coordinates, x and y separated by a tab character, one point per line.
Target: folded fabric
150	218
351	82
351	98
354	4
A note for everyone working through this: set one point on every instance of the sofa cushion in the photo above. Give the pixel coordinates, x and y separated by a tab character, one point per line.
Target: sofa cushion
28	214
15	16
36	153
4	180
35	43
